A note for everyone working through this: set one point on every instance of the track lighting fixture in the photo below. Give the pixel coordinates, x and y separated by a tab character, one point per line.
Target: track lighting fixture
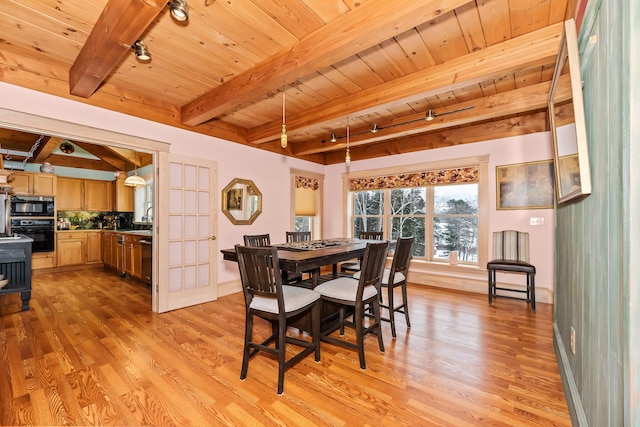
429	116
142	53
179	10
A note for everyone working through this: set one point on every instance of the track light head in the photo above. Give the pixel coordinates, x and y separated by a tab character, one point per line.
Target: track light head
374	128
142	53
430	115
334	138
179	10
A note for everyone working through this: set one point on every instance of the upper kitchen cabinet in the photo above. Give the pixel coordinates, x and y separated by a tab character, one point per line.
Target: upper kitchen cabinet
123	196
76	194
34	184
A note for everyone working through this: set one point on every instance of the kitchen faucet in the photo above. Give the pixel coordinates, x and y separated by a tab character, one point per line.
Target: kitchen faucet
149	218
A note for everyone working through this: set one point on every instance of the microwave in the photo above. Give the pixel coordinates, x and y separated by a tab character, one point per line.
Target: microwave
32	206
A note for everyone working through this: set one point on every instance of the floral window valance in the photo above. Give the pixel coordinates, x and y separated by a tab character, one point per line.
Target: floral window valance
439	177
306	182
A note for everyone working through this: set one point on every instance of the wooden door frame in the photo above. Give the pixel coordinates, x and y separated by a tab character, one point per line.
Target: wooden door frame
27	122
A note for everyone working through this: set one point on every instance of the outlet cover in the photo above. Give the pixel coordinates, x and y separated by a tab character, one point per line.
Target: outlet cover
536	221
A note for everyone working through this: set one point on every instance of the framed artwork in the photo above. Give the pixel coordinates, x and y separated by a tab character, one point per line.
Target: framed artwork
525	185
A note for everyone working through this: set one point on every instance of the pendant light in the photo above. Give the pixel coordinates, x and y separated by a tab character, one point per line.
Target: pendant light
283	134
134	180
347	157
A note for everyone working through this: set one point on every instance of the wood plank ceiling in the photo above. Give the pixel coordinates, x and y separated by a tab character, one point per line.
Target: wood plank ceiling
339	62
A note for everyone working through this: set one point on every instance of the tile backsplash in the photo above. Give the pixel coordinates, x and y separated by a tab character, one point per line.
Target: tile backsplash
94	220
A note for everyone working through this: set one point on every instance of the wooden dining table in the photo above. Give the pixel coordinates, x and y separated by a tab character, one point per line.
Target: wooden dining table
311	256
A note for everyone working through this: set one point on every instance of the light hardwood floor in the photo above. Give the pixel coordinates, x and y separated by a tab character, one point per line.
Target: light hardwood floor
91	352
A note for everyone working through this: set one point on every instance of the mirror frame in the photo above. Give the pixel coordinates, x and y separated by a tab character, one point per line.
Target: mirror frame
559	93
225	208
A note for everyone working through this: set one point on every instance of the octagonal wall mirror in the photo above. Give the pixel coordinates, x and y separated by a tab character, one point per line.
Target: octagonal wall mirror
241	201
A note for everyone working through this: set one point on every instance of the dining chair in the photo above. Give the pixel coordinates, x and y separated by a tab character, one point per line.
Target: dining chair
511	255
266	297
259	240
358	295
353	266
298	236
396	277
255	240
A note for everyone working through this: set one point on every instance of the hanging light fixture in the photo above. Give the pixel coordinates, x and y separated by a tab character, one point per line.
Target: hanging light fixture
142	53
283	134
347	157
179	10
135	180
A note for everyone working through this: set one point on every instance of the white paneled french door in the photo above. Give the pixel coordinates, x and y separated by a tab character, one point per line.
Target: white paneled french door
187	253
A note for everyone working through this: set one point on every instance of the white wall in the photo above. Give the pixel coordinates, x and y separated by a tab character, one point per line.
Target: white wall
504	151
270	172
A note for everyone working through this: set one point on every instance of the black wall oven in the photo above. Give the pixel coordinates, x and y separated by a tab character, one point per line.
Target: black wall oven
41	230
32	206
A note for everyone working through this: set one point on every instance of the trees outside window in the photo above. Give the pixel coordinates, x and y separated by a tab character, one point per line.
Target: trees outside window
442	217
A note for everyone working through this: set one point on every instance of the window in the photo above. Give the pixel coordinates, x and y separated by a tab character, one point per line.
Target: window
306	192
440	208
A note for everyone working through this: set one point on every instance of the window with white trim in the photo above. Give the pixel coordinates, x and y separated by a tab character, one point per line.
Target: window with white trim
439	208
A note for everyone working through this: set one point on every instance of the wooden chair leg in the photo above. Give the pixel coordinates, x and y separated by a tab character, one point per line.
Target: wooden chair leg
405	302
376	311
392	311
315	325
248	336
282	330
358	317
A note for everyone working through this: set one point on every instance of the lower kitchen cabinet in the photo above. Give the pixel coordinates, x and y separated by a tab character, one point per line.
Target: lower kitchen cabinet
78	248
71	248
133	256
41	260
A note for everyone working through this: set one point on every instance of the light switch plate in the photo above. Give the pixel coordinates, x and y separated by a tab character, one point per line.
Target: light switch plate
536	221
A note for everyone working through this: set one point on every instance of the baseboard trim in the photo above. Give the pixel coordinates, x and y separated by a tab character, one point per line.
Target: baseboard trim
572	394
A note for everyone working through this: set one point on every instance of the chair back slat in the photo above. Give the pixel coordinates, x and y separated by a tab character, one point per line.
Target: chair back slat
373	263
401	257
298	236
370	235
511	245
257	240
260	272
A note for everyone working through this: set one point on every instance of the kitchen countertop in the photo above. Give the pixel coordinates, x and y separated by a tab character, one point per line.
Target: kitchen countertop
139	232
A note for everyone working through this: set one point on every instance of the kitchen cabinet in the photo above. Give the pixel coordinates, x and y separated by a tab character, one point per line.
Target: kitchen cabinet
133	255
94	247
123	196
71	248
108	248
79	248
33	184
40	260
75	194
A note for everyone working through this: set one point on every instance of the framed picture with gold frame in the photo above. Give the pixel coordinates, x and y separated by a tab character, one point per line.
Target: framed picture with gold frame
525	185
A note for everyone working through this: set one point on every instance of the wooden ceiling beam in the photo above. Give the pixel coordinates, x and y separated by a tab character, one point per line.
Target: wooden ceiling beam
514	126
519	101
46	148
104	153
533	49
366	25
120	24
